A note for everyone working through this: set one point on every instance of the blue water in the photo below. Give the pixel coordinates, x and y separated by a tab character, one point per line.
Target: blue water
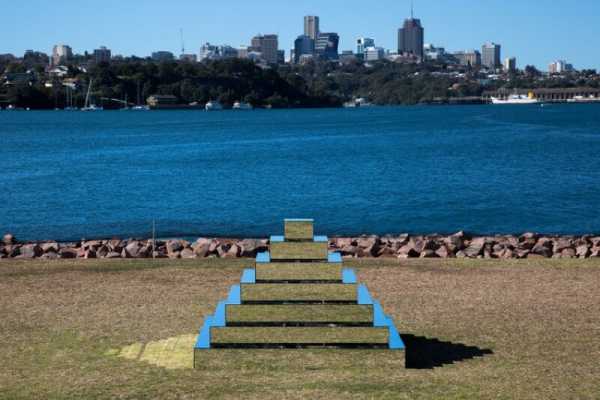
483	169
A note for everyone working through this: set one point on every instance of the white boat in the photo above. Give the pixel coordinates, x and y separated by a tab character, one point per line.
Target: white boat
240	105
582	99
140	108
213	106
89	106
357	103
516	99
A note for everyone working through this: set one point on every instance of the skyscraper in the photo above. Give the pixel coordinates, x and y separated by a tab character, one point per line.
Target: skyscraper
268	46
490	55
102	55
311	26
510	64
411	37
362	43
326	45
303	45
61	54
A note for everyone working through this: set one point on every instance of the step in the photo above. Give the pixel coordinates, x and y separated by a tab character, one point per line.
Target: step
298	229
299	293
277	337
299	272
282	250
299	315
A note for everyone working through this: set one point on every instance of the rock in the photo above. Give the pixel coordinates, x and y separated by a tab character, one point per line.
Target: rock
188	253
201	247
91	244
115	245
51	255
132	250
527	241
9	239
30	251
367	242
68	252
233	252
113	254
543	247
174	246
522	253
349	251
408	251
444	252
595	252
562	244
582	251
455	242
102	251
568	253
475	247
214	246
89	253
461	254
250	248
505	254
428	253
340	243
50	247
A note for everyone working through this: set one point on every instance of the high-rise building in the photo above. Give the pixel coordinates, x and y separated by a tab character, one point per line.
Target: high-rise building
470	58
374	53
162	56
268	46
411	38
362	43
311	26
326	46
303	45
510	64
61	54
102	55
490	55
188	57
559	66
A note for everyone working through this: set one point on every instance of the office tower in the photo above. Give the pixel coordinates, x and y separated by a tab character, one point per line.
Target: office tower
560	66
374	53
268	46
362	43
102	54
311	26
468	58
326	46
490	55
411	37
303	45
510	64
61	54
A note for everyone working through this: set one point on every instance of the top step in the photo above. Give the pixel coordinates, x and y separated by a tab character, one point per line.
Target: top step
299	229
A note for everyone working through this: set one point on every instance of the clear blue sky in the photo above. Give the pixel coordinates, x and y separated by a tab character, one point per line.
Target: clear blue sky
535	31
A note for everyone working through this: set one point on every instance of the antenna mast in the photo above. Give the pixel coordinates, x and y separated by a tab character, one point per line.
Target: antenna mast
412	10
182	42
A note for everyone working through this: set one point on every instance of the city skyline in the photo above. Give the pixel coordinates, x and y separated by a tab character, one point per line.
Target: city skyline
536	43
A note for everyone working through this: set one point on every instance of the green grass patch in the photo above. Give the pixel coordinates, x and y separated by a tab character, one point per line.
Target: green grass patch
308	313
298	293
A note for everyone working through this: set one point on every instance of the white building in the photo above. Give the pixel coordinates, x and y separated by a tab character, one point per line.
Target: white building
374	53
559	66
61	53
434	53
362	44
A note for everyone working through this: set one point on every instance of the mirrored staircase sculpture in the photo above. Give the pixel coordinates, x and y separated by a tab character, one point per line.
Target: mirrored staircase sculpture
298	295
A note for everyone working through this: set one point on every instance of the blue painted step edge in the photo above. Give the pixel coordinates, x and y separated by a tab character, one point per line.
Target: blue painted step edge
380	319
249	276
348	276
265	258
279	239
203	342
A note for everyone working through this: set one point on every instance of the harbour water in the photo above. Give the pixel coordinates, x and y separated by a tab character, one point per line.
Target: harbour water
483	169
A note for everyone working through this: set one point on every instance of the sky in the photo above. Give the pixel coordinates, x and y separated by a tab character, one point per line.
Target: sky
535	31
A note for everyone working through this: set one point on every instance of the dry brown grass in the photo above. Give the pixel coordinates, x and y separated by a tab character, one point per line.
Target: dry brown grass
541	319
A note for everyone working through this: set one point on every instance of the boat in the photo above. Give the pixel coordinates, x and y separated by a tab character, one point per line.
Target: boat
89	106
140	108
516	99
582	99
357	103
213	106
240	105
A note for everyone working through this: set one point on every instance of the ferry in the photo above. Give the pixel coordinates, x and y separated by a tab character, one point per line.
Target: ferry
240	105
213	106
582	99
516	99
357	103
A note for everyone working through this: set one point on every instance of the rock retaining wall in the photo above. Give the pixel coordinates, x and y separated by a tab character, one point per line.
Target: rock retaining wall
459	245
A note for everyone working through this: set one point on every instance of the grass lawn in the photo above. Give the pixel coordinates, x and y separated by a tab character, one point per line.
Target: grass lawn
106	329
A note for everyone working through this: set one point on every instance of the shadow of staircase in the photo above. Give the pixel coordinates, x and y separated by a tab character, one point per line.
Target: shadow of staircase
426	353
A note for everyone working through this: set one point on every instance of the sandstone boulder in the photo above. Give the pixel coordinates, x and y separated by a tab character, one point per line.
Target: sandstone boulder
408	251
174	246
68	252
50	247
475	247
9	239
132	250
30	251
188	253
582	251
543	247
201	247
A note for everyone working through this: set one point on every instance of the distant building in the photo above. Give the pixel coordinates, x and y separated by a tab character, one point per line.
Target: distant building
411	37
162	56
560	66
212	52
311	26
362	43
188	57
268	46
434	53
348	56
326	46
374	54
490	55
102	55
242	52
303	45
280	56
468	58
510	64
61	54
